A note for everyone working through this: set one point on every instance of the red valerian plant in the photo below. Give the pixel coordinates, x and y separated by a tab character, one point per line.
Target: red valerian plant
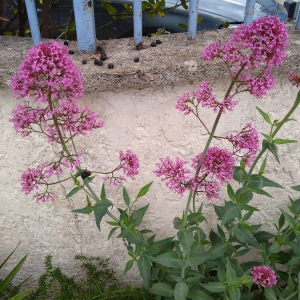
49	75
191	265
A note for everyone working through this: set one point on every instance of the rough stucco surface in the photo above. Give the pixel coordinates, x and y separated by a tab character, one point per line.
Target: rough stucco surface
144	120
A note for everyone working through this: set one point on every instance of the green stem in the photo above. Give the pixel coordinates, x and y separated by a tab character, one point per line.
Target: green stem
281	123
211	136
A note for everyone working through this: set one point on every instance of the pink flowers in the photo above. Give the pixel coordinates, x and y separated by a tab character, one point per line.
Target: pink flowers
264	276
245	144
204	96
216	169
174	173
294	78
48	70
129	164
253	50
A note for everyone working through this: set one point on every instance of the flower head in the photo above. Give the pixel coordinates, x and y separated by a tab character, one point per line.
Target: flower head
264	276
294	78
48	70
129	164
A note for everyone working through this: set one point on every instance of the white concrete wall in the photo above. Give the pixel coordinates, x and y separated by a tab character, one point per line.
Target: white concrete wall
146	122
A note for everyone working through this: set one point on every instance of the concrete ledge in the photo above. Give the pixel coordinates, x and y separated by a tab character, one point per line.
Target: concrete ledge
176	61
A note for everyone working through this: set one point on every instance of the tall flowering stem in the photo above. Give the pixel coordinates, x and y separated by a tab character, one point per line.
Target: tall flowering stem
209	140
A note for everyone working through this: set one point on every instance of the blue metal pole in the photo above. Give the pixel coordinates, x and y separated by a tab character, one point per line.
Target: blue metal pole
33	21
298	18
192	21
85	25
249	11
137	22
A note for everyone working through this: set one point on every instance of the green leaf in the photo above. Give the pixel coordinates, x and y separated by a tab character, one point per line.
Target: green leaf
137	216
162	289
8	279
103	193
186	239
282	141
290	220
296	188
217	251
145	270
7	258
112	232
230	212
199	295
264	115
230	192
168	259
132	235
128	266
214	287
230	273
260	191
268	137
126	197
273	149
263	181
143	191
73	191
181	291
245	236
234	292
270	294
86	210
263	166
182	25
183	3
22	295
263	236
196	259
100	210
275	247
214	238
159	246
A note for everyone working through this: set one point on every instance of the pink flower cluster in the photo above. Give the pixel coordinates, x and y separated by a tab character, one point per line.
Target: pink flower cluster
245	144
173	173
264	276
48	70
218	164
34	178
204	96
216	169
256	48
72	119
294	78
129	164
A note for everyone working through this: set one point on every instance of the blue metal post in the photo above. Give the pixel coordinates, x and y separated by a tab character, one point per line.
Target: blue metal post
33	21
85	25
298	18
249	11
137	22
192	21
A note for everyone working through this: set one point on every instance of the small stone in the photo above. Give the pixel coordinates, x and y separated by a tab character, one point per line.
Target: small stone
71	52
84	61
96	61
102	51
149	35
66	43
99	48
153	44
110	66
100	63
136	59
103	57
158	42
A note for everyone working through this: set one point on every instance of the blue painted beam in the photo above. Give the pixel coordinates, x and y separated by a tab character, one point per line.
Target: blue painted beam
192	21
298	18
33	21
249	11
137	22
85	25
